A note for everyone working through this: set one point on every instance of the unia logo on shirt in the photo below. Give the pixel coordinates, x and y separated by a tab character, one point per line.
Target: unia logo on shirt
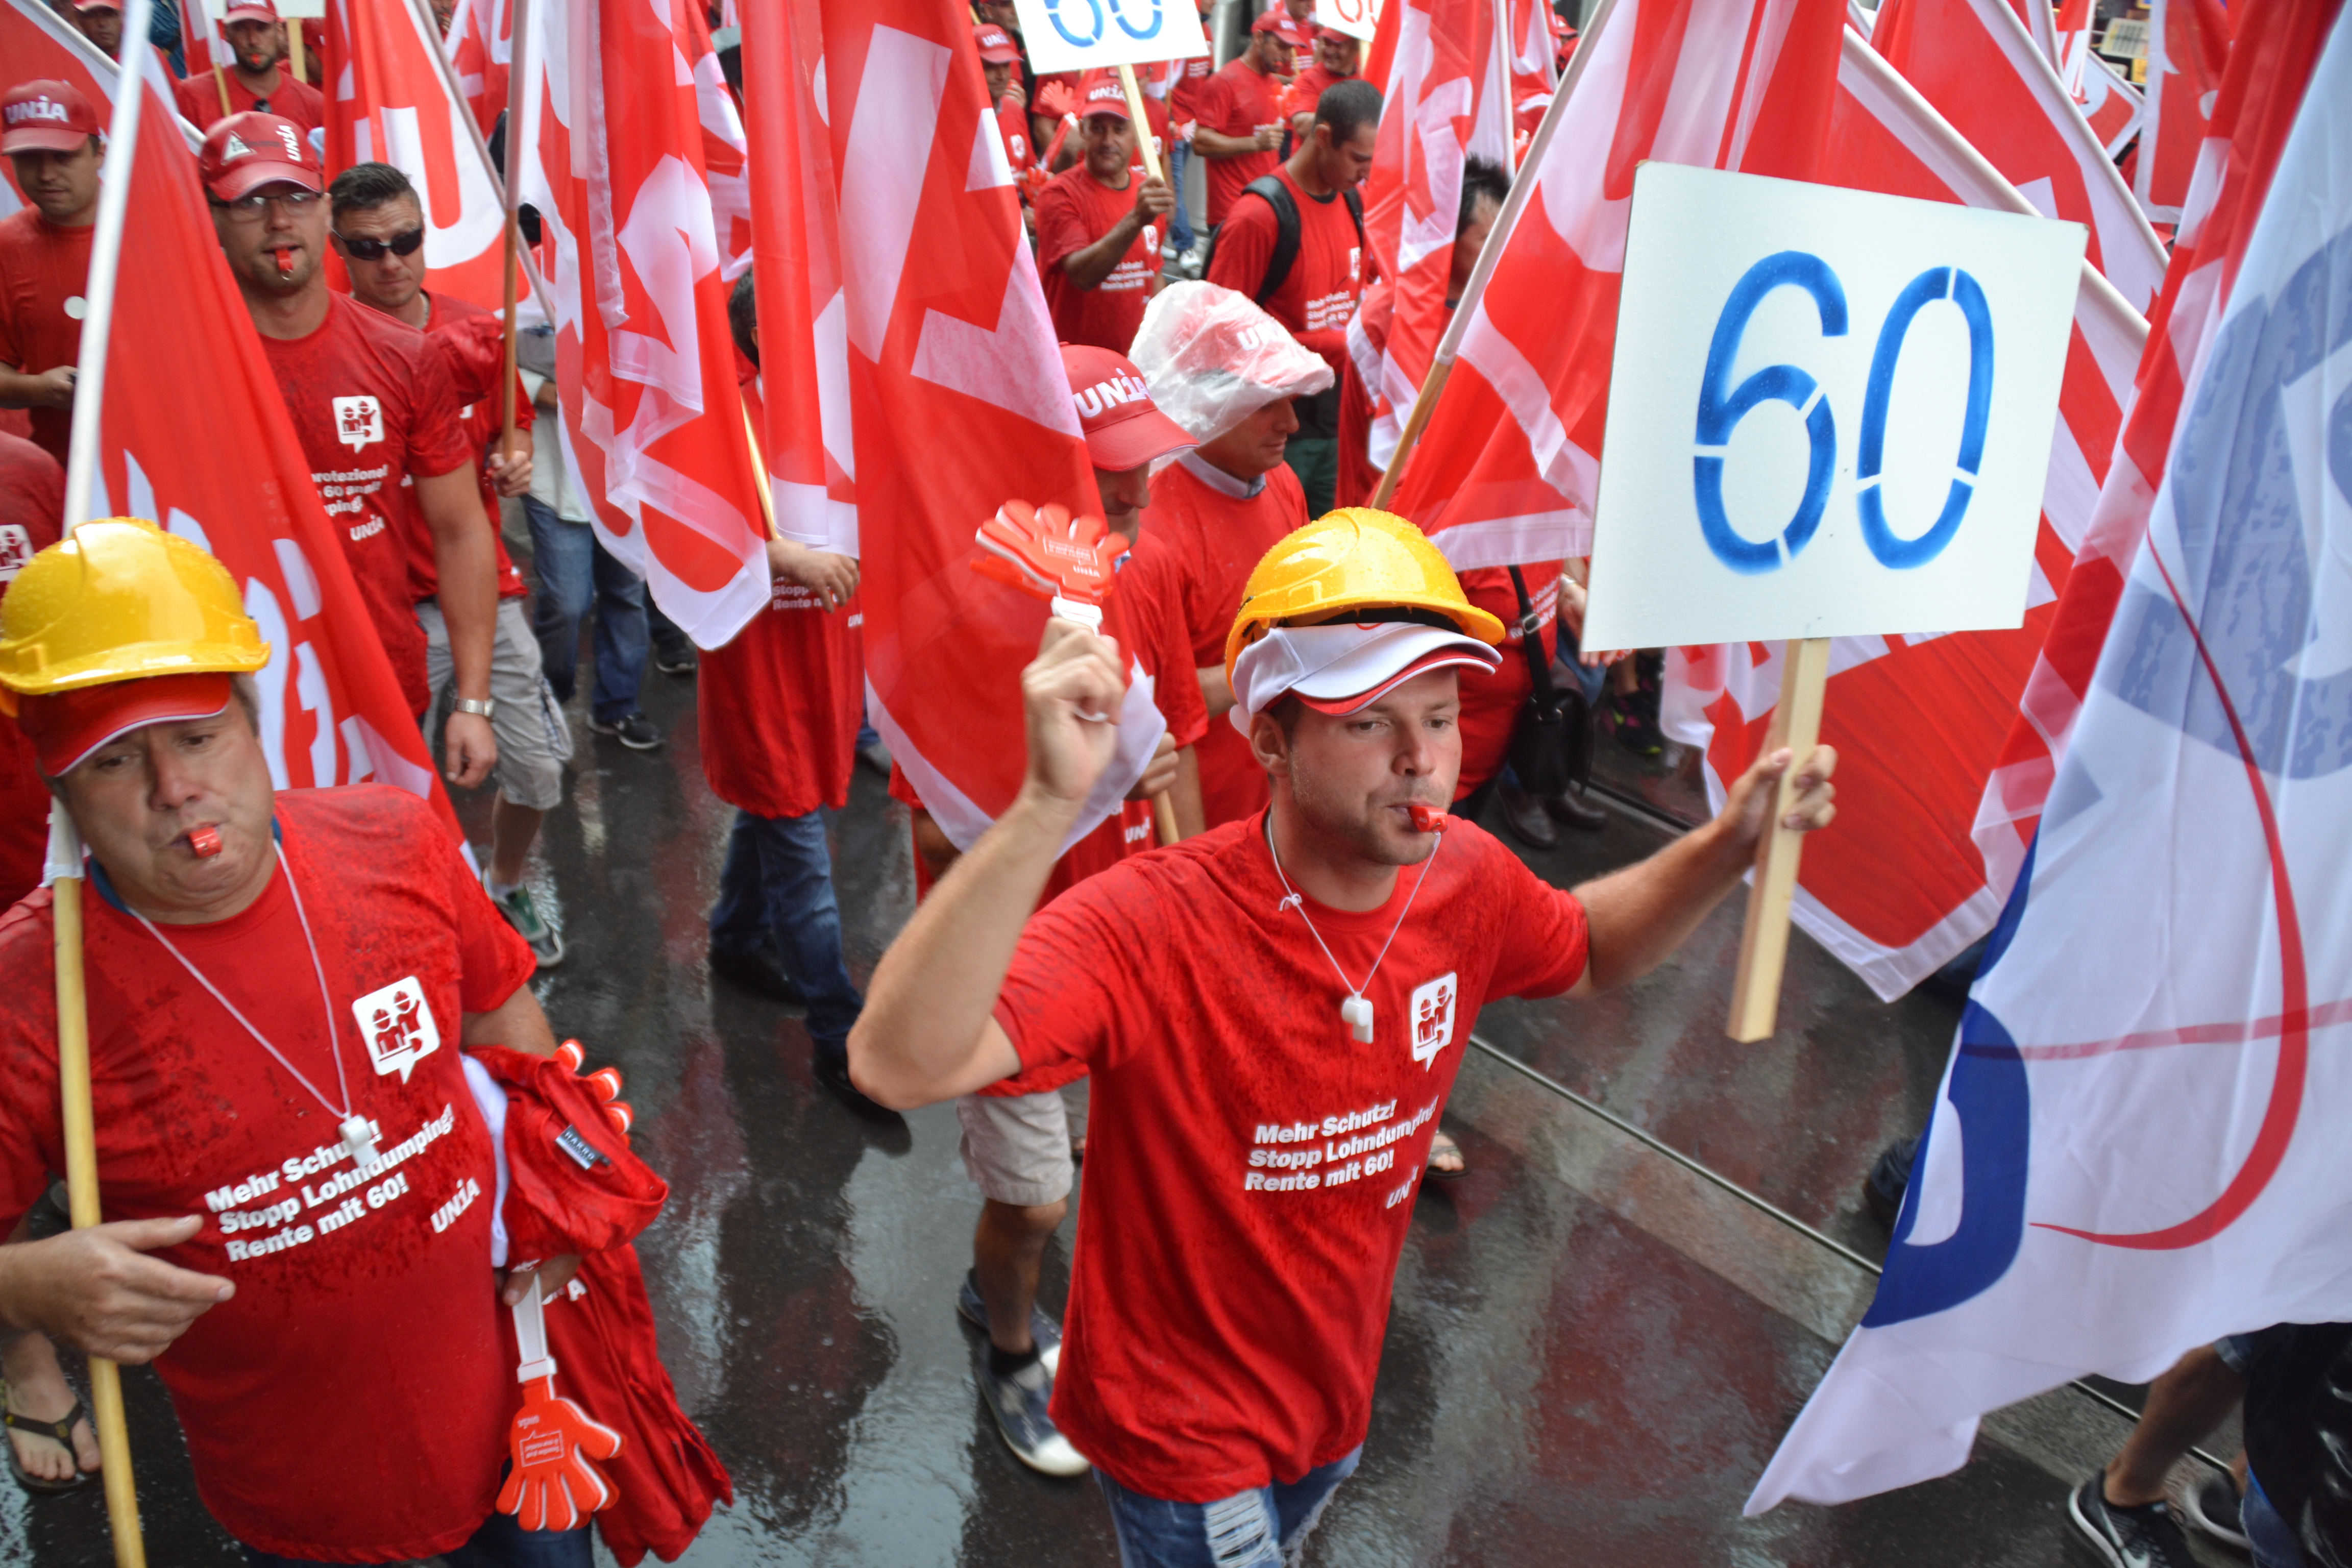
358	421
16	550
1432	1011
399	1027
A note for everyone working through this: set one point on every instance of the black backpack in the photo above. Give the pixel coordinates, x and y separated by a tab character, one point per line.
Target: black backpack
1269	189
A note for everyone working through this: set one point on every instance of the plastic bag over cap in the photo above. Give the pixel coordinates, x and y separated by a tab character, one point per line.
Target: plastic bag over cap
1213	358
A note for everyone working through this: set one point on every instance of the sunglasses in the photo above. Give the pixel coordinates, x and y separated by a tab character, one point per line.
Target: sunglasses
373	249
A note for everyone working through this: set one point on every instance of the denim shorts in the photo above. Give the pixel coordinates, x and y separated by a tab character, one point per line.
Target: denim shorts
1265	1527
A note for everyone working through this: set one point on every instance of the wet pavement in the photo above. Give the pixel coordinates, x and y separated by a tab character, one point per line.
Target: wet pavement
1593	1349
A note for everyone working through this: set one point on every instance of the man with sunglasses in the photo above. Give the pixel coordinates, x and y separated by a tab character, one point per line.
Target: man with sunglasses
373	408
256	75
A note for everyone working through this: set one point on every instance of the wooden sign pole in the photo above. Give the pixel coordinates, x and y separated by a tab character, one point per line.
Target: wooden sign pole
1764	943
1142	124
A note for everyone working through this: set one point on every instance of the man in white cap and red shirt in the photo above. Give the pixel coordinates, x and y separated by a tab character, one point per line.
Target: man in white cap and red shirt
256	76
54	143
1098	226
374	407
280	988
1271	1122
101	22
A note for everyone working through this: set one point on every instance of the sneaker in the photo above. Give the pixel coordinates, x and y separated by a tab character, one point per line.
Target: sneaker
834	1074
1042	1328
1019	1403
2145	1537
522	913
2213	1506
756	968
678	661
634	730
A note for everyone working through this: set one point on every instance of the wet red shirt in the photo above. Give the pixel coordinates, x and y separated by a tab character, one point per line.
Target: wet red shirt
1243	1143
348	1402
373	405
1184	92
780	704
298	102
473	347
42	270
1012	125
1215	538
1235	102
32	512
1075	210
1491	704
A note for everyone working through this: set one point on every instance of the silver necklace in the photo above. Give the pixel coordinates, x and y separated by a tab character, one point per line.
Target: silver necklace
359	1138
1356	1011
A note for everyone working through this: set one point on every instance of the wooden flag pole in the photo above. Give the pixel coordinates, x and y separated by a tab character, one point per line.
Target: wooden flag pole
293	26
220	79
518	85
1764	943
1127	82
759	471
1424	401
1163	819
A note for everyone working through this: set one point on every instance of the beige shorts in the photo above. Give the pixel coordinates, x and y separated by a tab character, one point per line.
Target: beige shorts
534	741
1016	1147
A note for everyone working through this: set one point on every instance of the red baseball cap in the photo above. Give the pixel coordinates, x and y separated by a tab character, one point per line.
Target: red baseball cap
996	45
46	116
1124	428
1275	20
253	149
250	11
87	7
66	727
1326	30
1100	93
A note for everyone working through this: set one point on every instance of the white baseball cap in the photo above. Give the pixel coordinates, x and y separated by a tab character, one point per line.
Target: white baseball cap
1343	665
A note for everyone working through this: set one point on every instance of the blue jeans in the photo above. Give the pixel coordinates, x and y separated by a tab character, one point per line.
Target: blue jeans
2267	1532
1180	221
573	570
499	1543
778	881
1262	1528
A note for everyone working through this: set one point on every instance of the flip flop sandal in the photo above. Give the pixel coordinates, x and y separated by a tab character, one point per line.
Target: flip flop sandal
1440	1172
59	1431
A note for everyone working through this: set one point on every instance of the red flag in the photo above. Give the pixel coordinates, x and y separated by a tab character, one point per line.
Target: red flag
479	45
2269	66
1976	63
796	257
1507	470
645	367
1917	720
2110	104
188	382
2188	44
725	162
393	100
960	405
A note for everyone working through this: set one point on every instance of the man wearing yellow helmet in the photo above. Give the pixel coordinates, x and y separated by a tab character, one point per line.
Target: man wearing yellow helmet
279	984
1273	1013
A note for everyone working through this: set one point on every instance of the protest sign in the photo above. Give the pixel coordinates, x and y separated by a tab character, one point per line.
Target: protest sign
1357	18
1097	34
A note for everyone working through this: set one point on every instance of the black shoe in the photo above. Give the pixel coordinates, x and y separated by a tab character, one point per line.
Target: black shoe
2146	1537
835	1075
634	730
756	968
1882	1189
1571	810
1523	815
2214	1506
678	661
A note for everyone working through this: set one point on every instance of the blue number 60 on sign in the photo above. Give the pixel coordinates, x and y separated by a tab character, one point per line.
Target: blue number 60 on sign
1721	408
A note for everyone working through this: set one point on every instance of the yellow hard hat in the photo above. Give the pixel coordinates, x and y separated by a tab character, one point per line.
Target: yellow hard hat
121	600
1354	558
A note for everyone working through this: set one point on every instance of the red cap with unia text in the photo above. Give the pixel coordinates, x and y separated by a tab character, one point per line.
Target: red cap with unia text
1123	427
250	11
46	116
248	150
996	45
1100	93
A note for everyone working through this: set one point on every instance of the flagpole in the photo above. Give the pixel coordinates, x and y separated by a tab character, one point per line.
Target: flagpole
515	73
518	85
79	1123
1425	403
1142	123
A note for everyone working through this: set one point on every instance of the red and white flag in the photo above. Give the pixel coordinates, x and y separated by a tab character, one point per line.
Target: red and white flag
796	260
186	383
725	154
1916	721
394	99
960	405
1976	63
1439	106
2248	126
479	45
2110	104
1509	466
652	415
2188	44
201	39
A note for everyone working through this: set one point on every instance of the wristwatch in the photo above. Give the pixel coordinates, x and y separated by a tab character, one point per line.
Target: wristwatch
472	705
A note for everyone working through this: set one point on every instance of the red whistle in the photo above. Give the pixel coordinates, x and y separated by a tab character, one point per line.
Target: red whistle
1426	818
285	255
205	841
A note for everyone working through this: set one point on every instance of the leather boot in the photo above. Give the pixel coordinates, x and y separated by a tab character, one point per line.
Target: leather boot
1523	815
1572	810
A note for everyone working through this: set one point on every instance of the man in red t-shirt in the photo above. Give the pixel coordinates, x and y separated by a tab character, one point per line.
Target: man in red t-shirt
256	76
1295	20
1256	1142
1337	57
373	407
50	134
101	22
1000	67
1099	228
379	231
1238	125
233	936
1317	296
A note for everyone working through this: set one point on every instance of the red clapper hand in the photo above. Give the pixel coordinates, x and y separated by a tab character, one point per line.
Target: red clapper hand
605	1083
1046	551
552	1486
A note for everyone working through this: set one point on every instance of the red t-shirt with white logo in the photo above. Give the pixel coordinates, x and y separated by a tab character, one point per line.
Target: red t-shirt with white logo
362	1343
1215	535
1316	296
1245	1146
473	347
372	405
1075	210
32	514
43	269
200	103
1187	78
1236	101
780	705
1492	703
1012	127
